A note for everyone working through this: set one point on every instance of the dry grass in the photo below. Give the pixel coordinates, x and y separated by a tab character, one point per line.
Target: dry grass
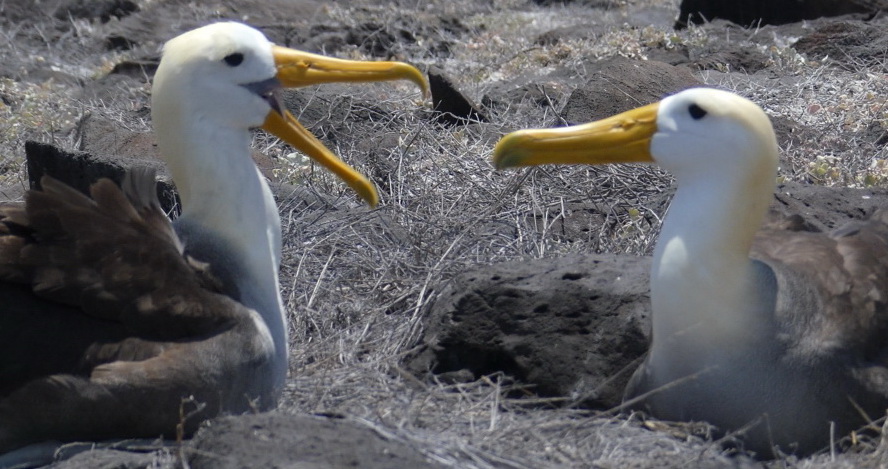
361	279
357	281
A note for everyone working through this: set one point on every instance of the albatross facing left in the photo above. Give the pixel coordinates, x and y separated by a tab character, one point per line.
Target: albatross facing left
133	315
781	331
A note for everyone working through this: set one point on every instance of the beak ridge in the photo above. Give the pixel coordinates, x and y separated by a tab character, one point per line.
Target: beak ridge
624	138
298	68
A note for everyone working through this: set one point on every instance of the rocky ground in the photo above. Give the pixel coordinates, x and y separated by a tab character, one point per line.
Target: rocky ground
475	319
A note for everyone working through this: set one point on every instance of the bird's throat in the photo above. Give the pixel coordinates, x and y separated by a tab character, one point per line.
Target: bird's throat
702	281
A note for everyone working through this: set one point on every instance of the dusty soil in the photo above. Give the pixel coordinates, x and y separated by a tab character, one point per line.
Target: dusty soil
376	379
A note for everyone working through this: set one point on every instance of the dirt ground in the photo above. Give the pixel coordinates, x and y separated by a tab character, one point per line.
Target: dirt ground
359	284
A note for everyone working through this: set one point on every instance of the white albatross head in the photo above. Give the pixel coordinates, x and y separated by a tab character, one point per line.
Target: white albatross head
214	70
699	132
223	77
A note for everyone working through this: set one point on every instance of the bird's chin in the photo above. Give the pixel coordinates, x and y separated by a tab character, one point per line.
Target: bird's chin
267	90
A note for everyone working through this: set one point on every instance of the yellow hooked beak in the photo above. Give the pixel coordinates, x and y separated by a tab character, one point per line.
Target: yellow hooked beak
624	138
296	68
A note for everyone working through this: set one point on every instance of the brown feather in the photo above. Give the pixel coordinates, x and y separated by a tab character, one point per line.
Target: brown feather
850	267
140	331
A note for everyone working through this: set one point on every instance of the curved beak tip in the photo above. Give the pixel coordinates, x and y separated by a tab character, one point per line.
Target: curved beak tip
426	92
509	150
418	78
369	195
499	160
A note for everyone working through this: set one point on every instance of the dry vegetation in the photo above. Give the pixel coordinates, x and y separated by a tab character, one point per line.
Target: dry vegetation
361	280
356	281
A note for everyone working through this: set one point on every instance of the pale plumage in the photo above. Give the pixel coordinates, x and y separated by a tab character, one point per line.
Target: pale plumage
111	316
784	331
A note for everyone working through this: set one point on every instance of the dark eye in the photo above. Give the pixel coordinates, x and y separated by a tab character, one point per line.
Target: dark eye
696	112
234	59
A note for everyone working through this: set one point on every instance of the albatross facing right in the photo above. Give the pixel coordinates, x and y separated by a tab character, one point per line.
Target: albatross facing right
126	316
774	333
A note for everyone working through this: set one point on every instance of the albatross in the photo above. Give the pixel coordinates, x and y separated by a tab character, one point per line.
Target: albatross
770	333
117	323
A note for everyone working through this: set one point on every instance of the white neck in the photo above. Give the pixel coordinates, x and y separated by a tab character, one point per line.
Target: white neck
702	286
223	192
